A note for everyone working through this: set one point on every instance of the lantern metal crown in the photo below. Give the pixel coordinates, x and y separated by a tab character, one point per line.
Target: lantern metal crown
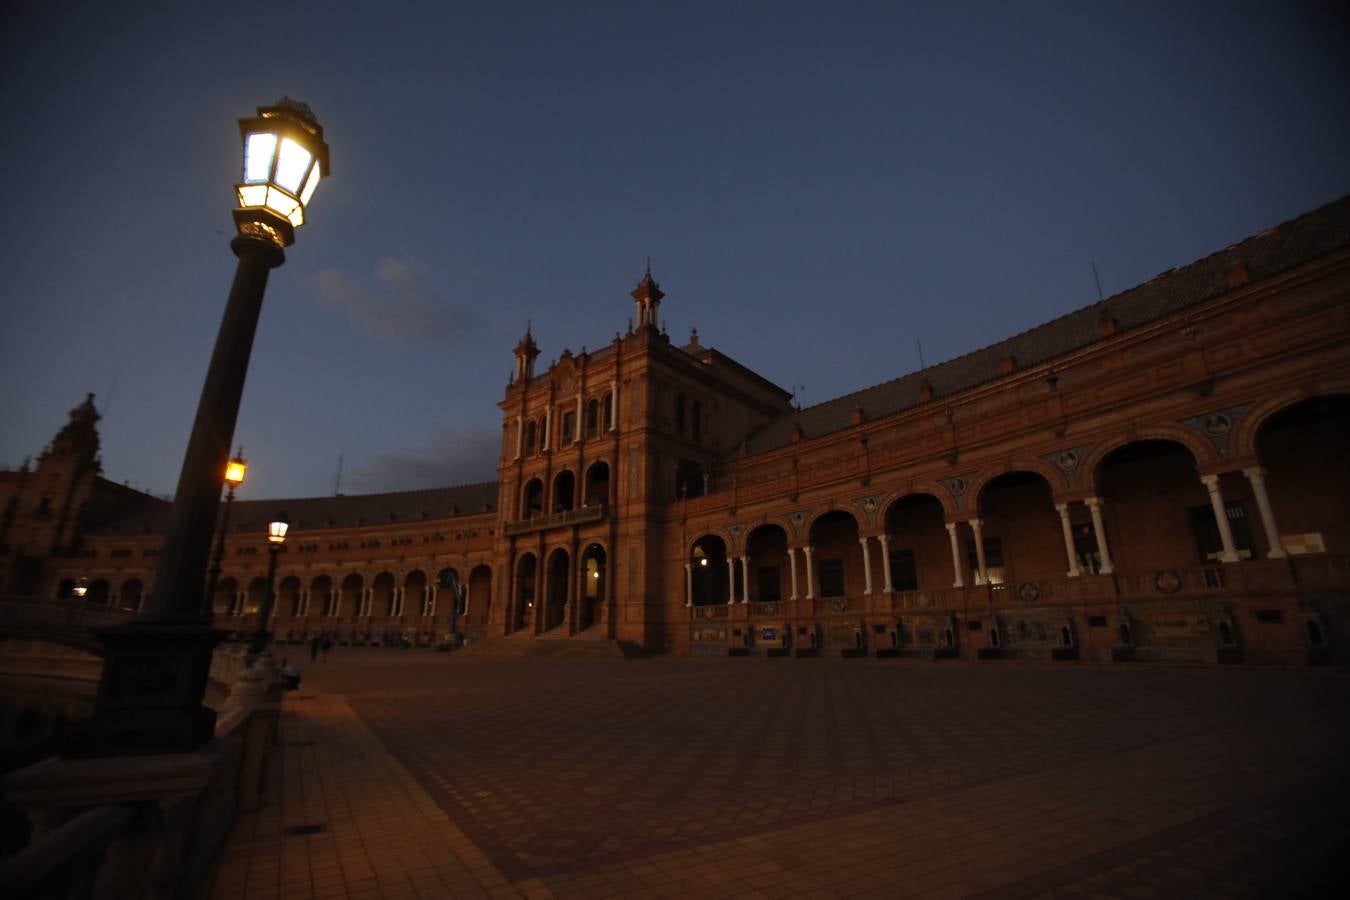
284	158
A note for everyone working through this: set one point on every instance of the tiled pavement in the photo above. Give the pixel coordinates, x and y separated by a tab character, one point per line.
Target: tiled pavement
442	777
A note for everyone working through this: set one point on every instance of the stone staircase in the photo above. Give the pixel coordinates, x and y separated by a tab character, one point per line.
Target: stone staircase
555	644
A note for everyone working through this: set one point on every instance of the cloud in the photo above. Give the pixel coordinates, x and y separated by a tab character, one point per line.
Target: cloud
458	456
397	308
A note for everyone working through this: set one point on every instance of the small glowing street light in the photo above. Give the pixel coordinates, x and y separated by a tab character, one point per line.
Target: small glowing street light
276	536
80	589
235	471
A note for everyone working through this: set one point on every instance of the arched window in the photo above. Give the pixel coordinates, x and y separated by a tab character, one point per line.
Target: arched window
532	499
609	411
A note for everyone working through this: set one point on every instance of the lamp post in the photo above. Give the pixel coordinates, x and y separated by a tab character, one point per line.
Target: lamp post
276	536
155	667
235	470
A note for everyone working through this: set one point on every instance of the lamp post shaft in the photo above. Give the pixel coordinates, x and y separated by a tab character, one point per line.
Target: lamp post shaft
176	596
208	601
259	642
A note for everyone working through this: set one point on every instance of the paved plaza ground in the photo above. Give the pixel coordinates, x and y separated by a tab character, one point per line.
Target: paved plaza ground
411	774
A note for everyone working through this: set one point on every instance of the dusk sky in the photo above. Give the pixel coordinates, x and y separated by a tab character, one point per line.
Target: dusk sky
817	185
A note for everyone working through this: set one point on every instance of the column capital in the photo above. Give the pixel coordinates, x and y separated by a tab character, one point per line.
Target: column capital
1093	502
1255	473
1210	481
1063	508
884	538
951	528
976	523
864	539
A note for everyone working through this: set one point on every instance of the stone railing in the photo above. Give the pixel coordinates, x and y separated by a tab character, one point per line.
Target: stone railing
580	516
144	826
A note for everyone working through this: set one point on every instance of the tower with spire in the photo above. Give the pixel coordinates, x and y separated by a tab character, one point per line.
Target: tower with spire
527	351
647	295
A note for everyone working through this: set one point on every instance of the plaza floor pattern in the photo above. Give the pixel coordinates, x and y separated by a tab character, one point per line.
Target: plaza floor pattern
419	775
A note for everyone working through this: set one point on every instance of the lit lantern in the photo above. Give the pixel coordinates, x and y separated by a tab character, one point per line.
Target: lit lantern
276	529
284	158
235	470
80	589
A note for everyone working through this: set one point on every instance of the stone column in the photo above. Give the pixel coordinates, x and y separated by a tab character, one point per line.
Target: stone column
432	590
1257	476
745	579
867	566
731	580
956	555
792	570
1063	510
810	567
581	423
688	584
520	435
981	570
548	427
1229	554
1094	505
885	540
613	404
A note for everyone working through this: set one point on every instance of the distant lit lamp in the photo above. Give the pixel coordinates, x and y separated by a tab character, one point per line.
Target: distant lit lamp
235	470
276	536
80	589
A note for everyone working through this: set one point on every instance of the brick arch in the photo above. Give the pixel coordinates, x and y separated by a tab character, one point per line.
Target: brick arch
1201	450
1249	425
780	521
929	488
708	532
1054	478
852	510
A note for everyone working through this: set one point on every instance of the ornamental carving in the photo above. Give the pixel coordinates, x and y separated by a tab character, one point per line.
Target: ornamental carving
1217	426
839	604
797	519
1029	591
869	506
1069	462
957	487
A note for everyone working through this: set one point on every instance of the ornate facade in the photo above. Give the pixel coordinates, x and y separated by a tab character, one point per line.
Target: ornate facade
1161	475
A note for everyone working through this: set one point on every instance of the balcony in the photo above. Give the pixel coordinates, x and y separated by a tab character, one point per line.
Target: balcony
581	516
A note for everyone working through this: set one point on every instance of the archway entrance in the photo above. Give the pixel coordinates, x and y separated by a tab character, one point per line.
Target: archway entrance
594	580
526	570
556	589
708	571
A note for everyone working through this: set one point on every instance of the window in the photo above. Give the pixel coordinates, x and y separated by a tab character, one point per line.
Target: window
569	427
831	577
904	571
993	558
679	414
609	412
592	419
531	433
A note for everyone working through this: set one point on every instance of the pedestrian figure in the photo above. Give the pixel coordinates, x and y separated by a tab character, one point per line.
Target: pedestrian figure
325	647
314	648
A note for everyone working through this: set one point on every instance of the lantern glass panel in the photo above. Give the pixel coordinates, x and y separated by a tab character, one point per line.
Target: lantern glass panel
292	164
258	152
281	202
252	195
310	184
276	531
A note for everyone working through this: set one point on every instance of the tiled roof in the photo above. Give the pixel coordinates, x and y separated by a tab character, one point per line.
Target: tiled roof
1298	241
152	517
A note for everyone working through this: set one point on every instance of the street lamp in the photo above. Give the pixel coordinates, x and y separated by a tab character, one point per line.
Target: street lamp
155	667
80	589
235	470
276	536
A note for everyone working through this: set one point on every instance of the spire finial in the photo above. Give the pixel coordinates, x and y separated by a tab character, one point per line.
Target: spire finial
649	267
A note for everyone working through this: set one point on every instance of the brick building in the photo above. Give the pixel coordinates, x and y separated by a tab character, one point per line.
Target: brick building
1161	475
